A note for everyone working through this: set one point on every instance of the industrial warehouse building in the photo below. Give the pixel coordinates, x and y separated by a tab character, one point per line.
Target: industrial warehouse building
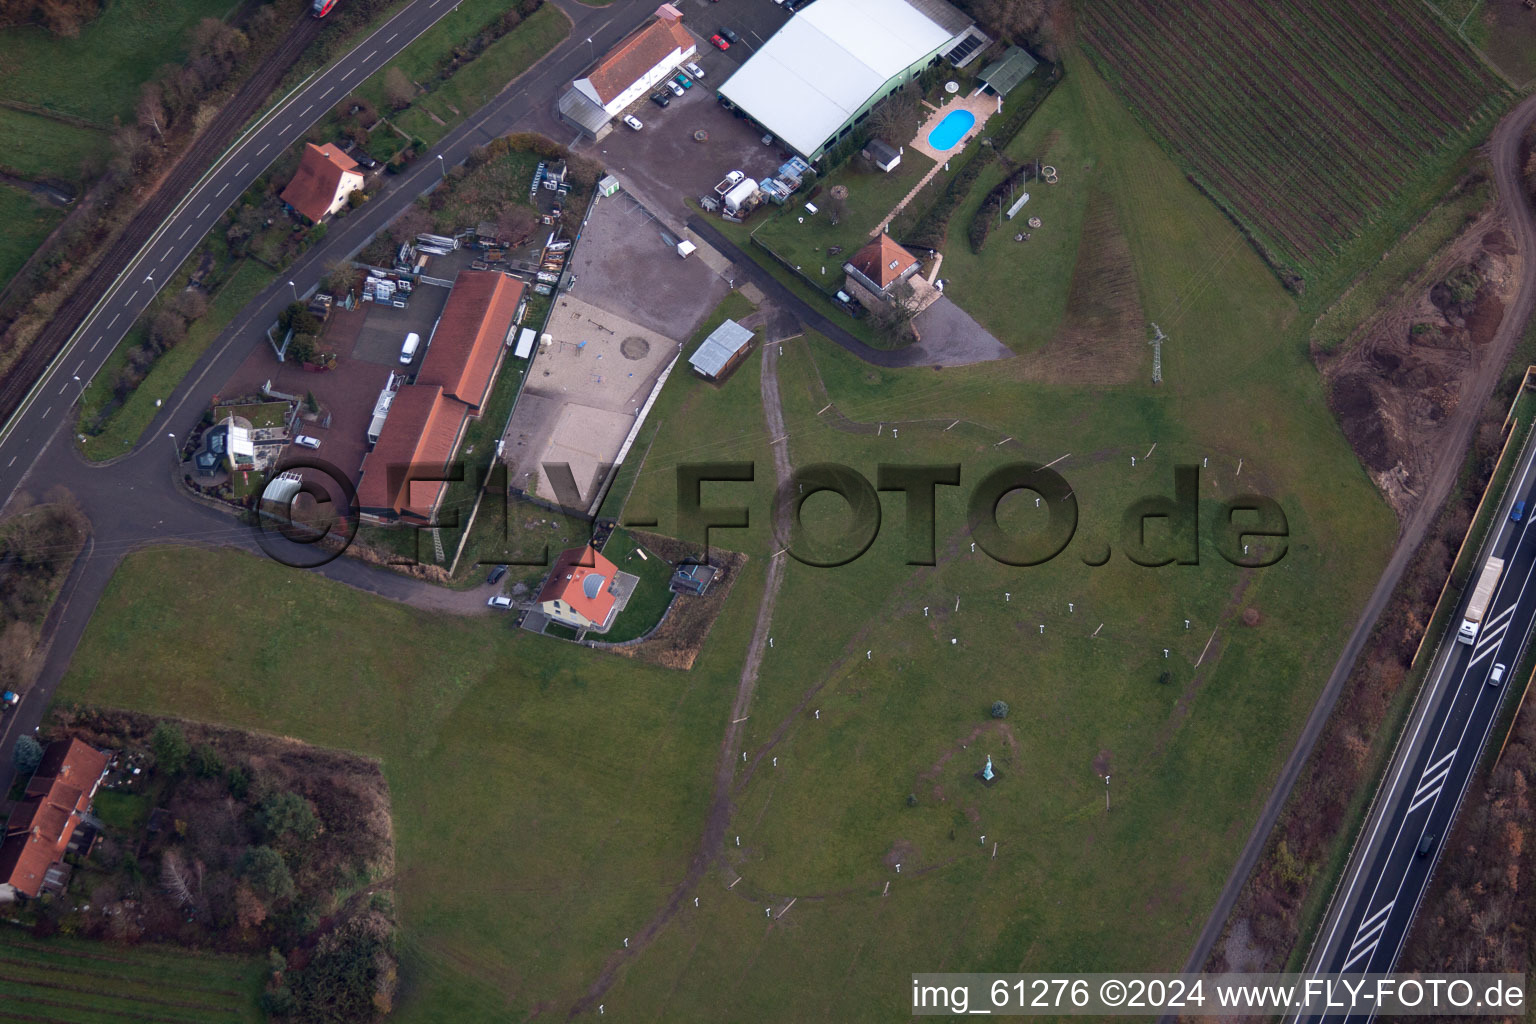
821	73
426	420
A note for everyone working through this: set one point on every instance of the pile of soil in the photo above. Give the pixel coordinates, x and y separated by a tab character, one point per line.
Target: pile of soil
1397	378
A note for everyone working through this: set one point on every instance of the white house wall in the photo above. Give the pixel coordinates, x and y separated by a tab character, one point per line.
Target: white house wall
652	78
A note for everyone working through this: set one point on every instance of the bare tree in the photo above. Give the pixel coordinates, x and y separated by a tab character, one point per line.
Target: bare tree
151	109
177	878
892	319
409	224
897	117
514	223
398	90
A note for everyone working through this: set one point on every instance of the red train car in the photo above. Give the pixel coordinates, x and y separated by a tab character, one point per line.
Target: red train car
322	7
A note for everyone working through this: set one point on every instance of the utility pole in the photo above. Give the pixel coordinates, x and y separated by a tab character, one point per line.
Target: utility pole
1157	353
1106	794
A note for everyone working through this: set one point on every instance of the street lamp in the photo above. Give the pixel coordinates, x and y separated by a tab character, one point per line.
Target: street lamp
175	451
443	164
77	380
593	51
295	291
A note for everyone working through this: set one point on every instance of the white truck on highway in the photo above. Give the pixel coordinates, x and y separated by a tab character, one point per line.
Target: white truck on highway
1482	594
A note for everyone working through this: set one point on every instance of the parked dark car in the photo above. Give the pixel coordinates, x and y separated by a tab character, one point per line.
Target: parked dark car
729	36
496	574
661	99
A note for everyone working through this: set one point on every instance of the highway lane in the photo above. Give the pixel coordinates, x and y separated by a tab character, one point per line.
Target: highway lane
1386	878
51	400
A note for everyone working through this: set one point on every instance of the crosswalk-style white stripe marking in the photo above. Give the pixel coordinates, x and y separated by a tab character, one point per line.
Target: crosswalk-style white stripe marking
1506	613
1367	951
1434	771
1373	930
1381	912
1489	639
1420	801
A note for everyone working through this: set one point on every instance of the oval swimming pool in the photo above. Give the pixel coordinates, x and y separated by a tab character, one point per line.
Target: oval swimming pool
951	130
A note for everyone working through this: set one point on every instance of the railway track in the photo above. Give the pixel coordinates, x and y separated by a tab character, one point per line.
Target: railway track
205	149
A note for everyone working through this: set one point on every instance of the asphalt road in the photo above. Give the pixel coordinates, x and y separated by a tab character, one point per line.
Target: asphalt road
1504	154
1437	757
134	501
52	400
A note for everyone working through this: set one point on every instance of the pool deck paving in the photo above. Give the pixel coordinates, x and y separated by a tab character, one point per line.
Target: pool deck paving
980	105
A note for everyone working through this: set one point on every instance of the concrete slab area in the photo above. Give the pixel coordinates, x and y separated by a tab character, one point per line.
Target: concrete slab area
626	267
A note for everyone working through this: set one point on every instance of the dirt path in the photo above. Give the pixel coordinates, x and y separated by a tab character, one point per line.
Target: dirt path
713	839
1504	151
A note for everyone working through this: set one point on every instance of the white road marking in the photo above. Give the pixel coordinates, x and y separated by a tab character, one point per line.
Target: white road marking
243	167
167	254
264	147
184	231
328	92
8	465
76	371
1367	951
305	110
113	320
370	55
391	37
221	190
1402	766
47	411
133	296
64	388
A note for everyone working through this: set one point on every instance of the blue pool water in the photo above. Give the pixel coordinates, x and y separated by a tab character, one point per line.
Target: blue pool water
951	130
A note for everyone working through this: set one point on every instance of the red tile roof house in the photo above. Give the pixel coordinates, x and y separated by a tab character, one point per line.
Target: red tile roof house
41	826
325	178
641	61
580	590
875	271
427	419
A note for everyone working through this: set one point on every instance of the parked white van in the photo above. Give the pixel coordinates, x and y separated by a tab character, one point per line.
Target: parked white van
408	353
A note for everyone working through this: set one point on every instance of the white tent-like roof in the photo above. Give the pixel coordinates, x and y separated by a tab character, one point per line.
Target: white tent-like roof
827	61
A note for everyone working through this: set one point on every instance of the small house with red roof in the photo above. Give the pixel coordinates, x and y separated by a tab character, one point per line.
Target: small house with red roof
325	178
881	265
639	63
40	828
581	590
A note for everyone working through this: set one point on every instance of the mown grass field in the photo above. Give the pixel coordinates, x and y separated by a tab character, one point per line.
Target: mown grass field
27	222
97	74
41	147
473	85
126	425
802	239
77	982
548	799
1324	127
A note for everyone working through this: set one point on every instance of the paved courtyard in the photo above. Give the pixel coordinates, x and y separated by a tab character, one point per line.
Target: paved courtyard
627	264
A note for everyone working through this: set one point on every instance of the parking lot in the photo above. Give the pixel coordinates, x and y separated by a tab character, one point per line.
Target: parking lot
626	265
663	164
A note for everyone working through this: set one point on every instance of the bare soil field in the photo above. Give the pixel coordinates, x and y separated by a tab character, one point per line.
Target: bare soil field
1396	380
